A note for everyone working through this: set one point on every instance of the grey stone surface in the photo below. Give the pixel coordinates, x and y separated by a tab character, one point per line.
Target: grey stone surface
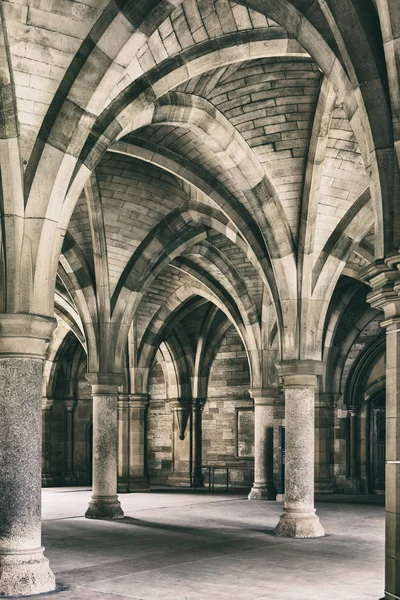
189	546
159	156
299	519
104	503
23	568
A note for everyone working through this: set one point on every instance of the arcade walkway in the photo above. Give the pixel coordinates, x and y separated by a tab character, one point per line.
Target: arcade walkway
185	546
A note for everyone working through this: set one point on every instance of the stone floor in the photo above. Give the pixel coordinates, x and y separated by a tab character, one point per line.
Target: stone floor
186	546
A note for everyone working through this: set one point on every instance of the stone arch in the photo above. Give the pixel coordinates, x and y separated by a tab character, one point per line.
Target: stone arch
153	335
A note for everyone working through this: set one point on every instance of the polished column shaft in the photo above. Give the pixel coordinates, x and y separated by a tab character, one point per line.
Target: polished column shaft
104	503
299	519
24	569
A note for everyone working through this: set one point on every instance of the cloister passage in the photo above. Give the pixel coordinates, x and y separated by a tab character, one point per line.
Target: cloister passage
199	287
195	546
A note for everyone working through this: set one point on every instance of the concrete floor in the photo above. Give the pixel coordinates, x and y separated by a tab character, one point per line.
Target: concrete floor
190	546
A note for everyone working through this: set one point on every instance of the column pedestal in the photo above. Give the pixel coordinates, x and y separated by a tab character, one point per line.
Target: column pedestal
299	519
263	487
24	569
104	503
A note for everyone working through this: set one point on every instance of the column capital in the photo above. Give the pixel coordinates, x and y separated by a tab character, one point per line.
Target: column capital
384	278
47	403
179	403
138	400
300	373
25	335
104	384
198	403
264	396
327	399
353	409
123	400
69	404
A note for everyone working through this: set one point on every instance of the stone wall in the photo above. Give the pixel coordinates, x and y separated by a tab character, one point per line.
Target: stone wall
228	392
159	430
82	438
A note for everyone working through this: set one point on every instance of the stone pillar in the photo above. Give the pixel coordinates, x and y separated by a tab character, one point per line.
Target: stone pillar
138	477
353	454
263	486
299	519
197	436
47	405
385	283
181	442
324	406
24	569
69	477
104	503
123	443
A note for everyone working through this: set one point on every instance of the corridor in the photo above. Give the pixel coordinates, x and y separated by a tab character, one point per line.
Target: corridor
197	546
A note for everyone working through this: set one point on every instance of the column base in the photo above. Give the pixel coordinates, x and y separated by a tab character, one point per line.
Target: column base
104	507
262	492
299	525
25	573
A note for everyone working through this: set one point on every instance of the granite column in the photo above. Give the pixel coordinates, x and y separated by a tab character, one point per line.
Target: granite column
24	569
104	503
299	519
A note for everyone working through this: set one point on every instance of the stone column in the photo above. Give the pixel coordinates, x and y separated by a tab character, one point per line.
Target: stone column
299	519
24	569
123	443
263	487
69	477
352	412
385	283
47	405
104	503
197	454
138	477
324	406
